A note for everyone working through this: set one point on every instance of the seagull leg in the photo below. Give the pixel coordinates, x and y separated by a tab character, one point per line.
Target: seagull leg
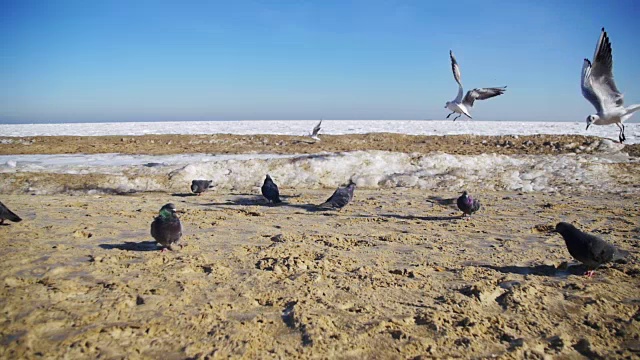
621	137
455	118
453	112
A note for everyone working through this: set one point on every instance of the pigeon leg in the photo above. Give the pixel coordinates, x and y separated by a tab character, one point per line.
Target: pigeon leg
453	112
455	118
590	273
1	221
164	250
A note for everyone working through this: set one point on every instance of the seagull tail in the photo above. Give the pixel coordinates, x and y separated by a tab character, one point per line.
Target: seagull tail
632	108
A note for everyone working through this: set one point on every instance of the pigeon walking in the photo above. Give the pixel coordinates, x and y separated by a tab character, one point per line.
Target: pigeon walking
590	250
315	131
600	89
200	186
166	228
463	106
340	198
5	213
467	204
270	190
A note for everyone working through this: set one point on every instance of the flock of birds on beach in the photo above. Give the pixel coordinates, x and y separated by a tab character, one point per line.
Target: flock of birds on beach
598	87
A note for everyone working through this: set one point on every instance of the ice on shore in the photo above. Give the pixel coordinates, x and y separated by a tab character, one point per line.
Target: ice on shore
331	127
371	169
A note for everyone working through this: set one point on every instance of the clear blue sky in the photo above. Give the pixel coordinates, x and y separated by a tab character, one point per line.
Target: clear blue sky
231	60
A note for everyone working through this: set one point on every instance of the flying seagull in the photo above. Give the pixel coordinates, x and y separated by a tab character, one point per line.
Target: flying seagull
315	131
200	186
5	213
166	228
600	89
463	105
588	249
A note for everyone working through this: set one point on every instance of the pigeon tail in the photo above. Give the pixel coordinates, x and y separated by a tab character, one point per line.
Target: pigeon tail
620	254
12	217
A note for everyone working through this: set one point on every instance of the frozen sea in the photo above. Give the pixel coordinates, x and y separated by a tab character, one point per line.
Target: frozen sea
331	127
372	169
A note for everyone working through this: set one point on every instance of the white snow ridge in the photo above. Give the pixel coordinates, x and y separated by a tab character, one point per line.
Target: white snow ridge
371	169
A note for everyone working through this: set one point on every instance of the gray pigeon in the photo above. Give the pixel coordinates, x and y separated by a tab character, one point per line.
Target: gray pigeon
340	198
467	204
270	190
200	186
588	249
5	213
166	227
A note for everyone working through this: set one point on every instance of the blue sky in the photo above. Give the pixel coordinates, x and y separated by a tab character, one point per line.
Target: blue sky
85	61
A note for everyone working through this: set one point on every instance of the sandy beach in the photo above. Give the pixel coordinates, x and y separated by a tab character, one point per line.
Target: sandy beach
396	274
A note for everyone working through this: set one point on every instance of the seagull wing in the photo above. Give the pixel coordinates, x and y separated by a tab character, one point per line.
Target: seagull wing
587	90
316	129
456	75
482	94
599	77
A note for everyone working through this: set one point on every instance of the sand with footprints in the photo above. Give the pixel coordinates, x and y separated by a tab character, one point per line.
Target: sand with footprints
395	274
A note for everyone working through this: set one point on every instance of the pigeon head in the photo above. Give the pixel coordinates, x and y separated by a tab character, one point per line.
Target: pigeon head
465	193
591	119
563	227
168	210
351	183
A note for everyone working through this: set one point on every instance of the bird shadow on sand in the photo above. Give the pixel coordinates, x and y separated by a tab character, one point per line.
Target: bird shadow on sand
133	246
303	142
423	218
442	201
184	194
252	200
545	270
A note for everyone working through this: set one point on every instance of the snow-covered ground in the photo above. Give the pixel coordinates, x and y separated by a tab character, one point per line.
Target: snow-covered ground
332	127
372	169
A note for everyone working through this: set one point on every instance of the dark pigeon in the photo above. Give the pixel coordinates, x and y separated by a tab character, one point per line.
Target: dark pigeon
166	227
590	250
200	186
467	204
340	198
270	190
5	213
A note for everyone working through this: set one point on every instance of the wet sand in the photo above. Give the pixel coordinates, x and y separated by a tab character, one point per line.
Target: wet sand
396	274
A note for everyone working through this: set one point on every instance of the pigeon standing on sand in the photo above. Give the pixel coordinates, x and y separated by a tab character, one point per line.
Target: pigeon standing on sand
340	198
600	89
166	227
5	213
588	249
467	204
200	186
463	106
270	190
315	131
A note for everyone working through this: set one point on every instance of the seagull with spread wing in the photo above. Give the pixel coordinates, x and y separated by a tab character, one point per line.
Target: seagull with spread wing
462	105
599	88
315	131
